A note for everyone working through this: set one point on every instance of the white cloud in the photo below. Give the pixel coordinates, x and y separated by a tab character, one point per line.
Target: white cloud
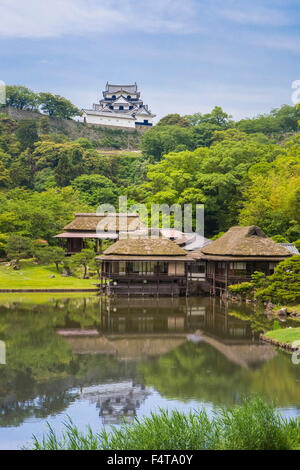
55	18
259	16
279	42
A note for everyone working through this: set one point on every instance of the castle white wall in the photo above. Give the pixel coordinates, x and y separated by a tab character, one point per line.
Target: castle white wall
142	117
109	121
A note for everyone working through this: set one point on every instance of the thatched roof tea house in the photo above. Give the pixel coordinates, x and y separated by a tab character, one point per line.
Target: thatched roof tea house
144	265
98	227
233	257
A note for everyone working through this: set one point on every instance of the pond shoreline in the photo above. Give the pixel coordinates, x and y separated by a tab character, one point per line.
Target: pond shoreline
280	344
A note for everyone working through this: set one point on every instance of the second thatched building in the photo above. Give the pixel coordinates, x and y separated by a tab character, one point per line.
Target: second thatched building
235	256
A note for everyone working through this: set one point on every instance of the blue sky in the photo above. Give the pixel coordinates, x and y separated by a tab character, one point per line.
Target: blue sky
186	55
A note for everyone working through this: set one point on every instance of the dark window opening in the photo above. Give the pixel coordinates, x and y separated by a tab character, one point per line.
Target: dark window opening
121	107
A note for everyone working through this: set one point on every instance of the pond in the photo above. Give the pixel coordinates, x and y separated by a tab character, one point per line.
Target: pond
139	355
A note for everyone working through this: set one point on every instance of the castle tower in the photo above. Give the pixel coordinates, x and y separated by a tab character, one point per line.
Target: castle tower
122	107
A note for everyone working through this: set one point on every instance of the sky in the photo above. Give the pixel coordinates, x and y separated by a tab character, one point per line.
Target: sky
186	56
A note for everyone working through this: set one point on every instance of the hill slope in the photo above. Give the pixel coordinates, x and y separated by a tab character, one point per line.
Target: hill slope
125	139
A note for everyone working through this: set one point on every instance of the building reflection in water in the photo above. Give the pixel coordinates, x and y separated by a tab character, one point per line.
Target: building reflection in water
135	329
116	400
163	315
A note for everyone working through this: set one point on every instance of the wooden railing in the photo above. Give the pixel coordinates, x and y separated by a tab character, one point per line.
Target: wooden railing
230	278
140	276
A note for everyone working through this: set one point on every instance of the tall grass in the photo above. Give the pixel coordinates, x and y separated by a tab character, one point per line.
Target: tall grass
253	425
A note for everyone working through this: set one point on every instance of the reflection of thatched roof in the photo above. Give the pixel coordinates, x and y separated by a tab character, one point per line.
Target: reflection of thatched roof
250	356
104	222
149	248
126	347
245	241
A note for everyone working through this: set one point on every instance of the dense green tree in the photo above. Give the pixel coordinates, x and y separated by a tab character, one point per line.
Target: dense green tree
18	247
217	117
160	141
5	179
280	239
27	133
83	259
38	215
50	254
214	176
278	121
284	285
271	195
173	120
63	173
21	97
57	106
96	189
85	143
22	170
203	134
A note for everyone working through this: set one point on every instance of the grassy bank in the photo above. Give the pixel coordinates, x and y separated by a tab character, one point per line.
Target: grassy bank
285	336
33	276
253	425
29	299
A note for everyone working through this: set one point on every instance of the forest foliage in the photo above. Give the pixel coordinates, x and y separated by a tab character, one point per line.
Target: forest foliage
245	172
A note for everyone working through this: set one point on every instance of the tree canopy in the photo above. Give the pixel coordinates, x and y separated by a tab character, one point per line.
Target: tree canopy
244	175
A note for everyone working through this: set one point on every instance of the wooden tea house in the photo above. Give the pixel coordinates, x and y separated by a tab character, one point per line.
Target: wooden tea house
98	227
144	266
235	256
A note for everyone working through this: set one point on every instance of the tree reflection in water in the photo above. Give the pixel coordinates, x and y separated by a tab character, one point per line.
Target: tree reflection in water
141	342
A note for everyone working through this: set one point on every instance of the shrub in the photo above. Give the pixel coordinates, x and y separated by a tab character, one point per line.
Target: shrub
245	289
18	247
258	279
284	285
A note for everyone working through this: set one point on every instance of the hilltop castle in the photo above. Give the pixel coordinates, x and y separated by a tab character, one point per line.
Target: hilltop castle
121	106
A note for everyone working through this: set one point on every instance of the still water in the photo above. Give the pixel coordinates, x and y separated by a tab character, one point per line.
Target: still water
140	355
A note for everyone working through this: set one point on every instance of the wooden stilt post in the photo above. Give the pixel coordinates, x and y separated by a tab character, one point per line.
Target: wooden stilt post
101	290
186	270
109	271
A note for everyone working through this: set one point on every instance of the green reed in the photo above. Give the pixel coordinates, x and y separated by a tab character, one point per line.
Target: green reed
254	425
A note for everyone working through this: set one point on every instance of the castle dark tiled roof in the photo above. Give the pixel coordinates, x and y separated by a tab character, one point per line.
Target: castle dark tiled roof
114	88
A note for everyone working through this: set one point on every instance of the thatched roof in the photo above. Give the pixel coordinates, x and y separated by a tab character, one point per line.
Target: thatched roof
104	222
245	242
92	234
141	247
